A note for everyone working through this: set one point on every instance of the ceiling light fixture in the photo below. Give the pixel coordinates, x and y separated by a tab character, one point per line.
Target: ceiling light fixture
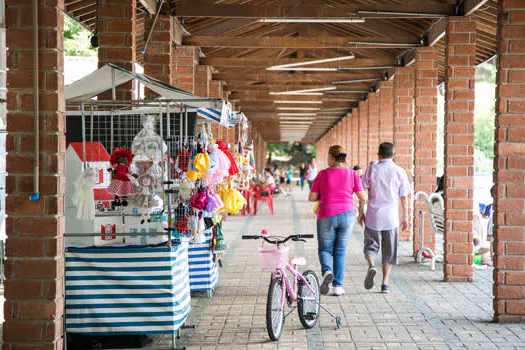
311	20
296	114
305	69
357	43
341	99
348	92
307	63
390	14
365	68
299	102
317	91
297	109
355	81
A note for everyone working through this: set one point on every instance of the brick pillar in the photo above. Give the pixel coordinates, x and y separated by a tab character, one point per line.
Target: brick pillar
215	91
348	133
509	163
373	125
34	267
203	77
386	112
460	58
404	130
158	61
425	139
355	136
117	40
185	61
363	134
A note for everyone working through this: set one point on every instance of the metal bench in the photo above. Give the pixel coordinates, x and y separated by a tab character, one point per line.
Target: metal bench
436	210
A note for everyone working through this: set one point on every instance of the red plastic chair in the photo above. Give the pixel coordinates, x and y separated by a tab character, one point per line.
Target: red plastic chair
265	195
247	209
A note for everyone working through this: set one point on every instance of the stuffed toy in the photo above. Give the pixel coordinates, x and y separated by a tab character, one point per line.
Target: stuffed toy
121	183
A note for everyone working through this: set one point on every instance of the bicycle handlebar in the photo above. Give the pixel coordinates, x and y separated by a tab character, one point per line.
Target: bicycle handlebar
276	240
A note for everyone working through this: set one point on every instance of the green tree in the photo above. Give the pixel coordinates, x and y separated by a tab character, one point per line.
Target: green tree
76	39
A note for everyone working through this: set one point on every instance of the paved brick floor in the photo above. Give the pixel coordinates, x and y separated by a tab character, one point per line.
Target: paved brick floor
422	313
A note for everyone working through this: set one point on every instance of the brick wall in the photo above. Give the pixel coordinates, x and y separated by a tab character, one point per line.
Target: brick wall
157	59
348	133
460	57
34	267
373	125
185	61
363	134
403	94
117	40
355	136
215	91
203	78
509	215
386	112
425	138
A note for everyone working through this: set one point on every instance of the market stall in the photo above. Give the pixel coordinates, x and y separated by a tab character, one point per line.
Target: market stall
146	188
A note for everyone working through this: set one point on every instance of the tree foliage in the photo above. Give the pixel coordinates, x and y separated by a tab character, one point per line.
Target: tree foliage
76	39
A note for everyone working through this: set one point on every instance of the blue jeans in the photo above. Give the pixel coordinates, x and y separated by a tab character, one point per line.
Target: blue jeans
302	181
333	234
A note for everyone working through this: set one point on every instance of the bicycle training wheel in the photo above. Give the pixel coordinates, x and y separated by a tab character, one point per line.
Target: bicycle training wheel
274	309
308	302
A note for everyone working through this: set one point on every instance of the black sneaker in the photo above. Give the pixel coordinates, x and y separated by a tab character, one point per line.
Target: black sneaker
369	279
328	278
385	288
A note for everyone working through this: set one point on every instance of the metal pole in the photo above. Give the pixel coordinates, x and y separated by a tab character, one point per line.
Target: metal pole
113	88
186	124
92	119
83	121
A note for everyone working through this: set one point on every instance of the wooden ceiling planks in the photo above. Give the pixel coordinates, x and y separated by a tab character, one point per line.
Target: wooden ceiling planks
240	47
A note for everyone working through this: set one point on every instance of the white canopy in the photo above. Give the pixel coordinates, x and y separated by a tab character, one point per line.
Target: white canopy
110	75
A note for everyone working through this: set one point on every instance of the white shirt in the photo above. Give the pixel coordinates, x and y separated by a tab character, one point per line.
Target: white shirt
386	182
312	172
270	180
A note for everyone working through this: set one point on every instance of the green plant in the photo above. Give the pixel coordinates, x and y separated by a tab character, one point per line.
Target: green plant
76	39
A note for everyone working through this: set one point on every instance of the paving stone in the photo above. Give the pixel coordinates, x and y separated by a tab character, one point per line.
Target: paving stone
422	313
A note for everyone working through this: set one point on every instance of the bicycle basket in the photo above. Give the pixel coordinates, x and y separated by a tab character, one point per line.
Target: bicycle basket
273	257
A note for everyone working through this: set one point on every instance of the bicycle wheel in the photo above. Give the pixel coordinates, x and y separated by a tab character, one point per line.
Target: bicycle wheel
308	302
274	309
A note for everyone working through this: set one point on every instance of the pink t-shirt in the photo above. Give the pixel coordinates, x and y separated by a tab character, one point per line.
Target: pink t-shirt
336	187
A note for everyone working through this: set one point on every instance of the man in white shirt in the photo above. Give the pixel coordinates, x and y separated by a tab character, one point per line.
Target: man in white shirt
387	184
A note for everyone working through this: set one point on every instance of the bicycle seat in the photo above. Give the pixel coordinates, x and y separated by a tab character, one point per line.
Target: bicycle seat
297	260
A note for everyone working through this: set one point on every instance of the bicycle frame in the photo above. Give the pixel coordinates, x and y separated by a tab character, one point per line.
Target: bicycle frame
291	291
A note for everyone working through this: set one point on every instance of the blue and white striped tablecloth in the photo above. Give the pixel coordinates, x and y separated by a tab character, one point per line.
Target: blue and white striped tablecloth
204	274
142	290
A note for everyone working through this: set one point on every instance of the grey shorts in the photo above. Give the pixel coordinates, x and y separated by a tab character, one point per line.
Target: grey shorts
387	240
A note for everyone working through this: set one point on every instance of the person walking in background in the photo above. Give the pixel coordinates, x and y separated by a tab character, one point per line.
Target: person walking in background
387	183
302	174
358	170
312	172
334	188
289	177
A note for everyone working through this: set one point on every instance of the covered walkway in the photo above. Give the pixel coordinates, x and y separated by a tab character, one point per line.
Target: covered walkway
423	311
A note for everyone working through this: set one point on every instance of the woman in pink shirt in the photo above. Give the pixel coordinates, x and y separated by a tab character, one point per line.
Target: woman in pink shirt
334	188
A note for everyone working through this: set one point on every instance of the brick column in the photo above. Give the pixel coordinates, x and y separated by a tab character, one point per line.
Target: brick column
215	91
348	133
117	40
363	134
404	130
425	139
386	112
34	267
373	125
509	163
460	58
355	136
185	61
158	61
203	77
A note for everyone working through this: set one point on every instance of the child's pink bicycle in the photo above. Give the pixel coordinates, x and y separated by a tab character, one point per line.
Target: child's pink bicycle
303	289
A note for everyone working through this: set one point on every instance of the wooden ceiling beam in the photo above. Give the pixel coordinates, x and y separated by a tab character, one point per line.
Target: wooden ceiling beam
311	78
471	6
209	8
267	62
277	42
